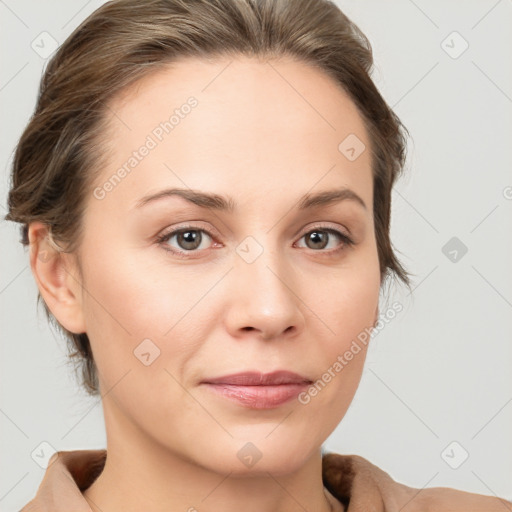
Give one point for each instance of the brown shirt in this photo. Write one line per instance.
(357, 483)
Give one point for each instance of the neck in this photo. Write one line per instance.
(141, 474)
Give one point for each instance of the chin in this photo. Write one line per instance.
(242, 458)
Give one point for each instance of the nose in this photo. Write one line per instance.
(265, 299)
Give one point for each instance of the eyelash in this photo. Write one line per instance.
(165, 237)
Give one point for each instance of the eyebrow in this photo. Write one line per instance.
(227, 204)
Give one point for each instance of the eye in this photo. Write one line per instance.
(318, 239)
(188, 239)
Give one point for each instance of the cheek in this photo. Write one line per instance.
(349, 299)
(348, 305)
(126, 294)
(142, 318)
(342, 361)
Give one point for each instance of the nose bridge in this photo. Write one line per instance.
(264, 261)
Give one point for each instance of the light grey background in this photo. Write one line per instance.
(437, 373)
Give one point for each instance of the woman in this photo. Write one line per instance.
(205, 187)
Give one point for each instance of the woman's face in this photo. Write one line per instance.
(260, 285)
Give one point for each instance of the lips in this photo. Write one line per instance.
(256, 390)
(255, 378)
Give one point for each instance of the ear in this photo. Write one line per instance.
(57, 278)
(376, 315)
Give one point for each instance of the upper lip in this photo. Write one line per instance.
(256, 378)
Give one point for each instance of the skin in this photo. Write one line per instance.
(264, 133)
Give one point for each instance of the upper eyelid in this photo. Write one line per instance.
(172, 231)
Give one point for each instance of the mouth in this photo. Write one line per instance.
(256, 390)
(255, 378)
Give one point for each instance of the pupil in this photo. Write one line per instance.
(189, 239)
(317, 239)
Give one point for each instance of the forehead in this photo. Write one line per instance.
(252, 121)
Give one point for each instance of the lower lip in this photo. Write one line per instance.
(259, 397)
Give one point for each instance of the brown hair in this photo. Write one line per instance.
(60, 154)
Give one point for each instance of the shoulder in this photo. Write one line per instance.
(67, 475)
(361, 485)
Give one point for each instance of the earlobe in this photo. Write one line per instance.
(56, 277)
